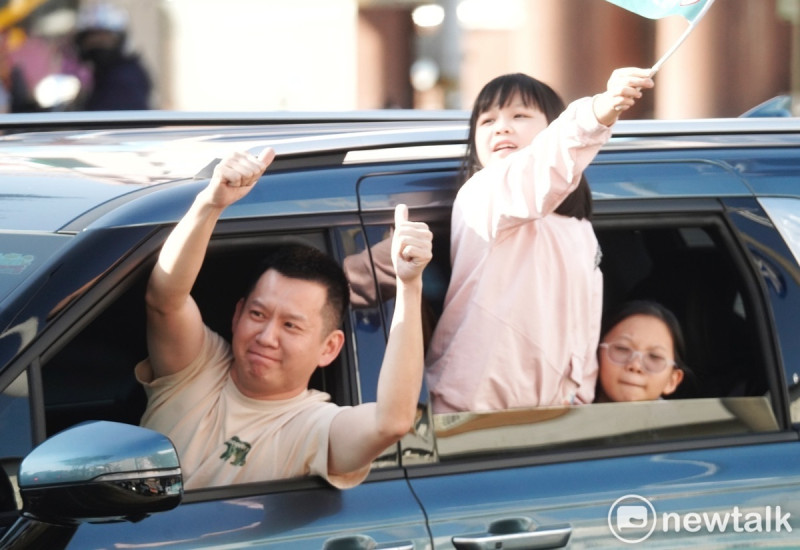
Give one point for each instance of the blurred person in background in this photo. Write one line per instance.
(39, 69)
(6, 76)
(119, 80)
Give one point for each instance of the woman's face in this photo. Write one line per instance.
(632, 381)
(500, 131)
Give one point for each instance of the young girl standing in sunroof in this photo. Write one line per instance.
(521, 319)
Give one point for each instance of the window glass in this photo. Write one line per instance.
(371, 281)
(21, 255)
(785, 215)
(91, 377)
(776, 255)
(367, 264)
(15, 422)
(15, 438)
(417, 446)
(600, 424)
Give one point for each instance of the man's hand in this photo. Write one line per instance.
(360, 434)
(235, 175)
(174, 323)
(412, 246)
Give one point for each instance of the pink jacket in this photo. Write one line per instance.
(521, 319)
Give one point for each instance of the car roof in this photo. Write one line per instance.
(57, 166)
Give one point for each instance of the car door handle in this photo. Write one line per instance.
(515, 534)
(364, 542)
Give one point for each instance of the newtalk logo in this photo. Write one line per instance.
(633, 519)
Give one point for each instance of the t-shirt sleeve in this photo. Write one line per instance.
(319, 455)
(192, 383)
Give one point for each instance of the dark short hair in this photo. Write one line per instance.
(300, 261)
(654, 309)
(534, 93)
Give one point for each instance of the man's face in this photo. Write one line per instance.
(280, 336)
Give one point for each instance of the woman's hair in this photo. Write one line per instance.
(534, 93)
(650, 309)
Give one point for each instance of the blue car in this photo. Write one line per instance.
(703, 216)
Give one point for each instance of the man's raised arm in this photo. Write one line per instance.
(358, 435)
(174, 323)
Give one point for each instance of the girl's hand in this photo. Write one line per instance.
(623, 89)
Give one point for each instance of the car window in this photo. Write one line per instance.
(15, 419)
(690, 265)
(369, 288)
(785, 215)
(771, 236)
(419, 444)
(692, 269)
(91, 376)
(16, 442)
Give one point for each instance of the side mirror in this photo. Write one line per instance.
(100, 471)
(94, 472)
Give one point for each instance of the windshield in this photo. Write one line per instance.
(21, 255)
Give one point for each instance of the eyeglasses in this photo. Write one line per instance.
(624, 355)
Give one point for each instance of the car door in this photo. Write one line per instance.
(85, 369)
(294, 514)
(715, 466)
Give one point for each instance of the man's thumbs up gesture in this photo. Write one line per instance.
(412, 246)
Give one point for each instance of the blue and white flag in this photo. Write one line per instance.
(656, 9)
(691, 10)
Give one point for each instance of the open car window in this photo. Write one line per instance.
(691, 265)
(91, 374)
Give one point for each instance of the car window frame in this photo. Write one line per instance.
(678, 212)
(137, 265)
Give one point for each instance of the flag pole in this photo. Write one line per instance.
(689, 29)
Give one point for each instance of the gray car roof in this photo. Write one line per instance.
(55, 166)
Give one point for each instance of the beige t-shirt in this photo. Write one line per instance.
(223, 437)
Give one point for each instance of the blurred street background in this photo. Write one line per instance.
(299, 55)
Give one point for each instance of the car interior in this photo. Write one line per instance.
(690, 270)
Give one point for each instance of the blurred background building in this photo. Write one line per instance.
(242, 55)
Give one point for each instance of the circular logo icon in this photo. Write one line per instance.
(632, 519)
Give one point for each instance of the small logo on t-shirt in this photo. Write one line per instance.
(236, 450)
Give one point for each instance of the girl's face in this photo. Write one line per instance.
(632, 381)
(500, 131)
